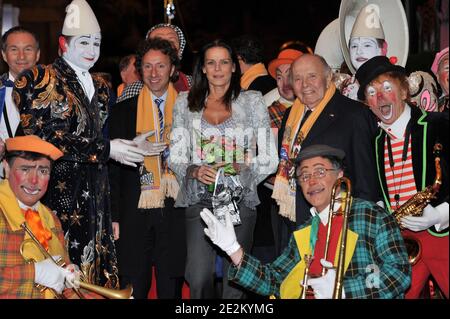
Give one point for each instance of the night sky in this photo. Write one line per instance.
(125, 23)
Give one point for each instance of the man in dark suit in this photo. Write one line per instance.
(152, 232)
(406, 165)
(321, 115)
(20, 51)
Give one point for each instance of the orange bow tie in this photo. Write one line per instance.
(34, 221)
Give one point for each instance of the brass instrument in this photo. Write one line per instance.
(415, 205)
(105, 292)
(346, 200)
(305, 292)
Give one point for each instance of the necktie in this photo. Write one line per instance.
(305, 117)
(314, 232)
(158, 103)
(34, 221)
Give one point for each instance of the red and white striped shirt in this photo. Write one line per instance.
(400, 178)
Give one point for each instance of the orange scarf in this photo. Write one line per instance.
(285, 185)
(157, 181)
(251, 74)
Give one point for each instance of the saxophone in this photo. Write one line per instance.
(415, 205)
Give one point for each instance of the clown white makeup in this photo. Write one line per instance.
(386, 97)
(84, 50)
(363, 49)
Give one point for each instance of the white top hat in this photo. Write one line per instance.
(80, 19)
(391, 17)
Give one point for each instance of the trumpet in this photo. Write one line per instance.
(346, 203)
(105, 292)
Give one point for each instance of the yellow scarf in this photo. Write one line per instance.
(15, 217)
(285, 185)
(157, 181)
(252, 73)
(291, 287)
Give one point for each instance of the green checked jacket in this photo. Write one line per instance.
(379, 267)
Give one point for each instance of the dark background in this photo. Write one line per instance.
(124, 24)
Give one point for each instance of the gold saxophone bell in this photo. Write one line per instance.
(415, 205)
(346, 200)
(414, 249)
(103, 291)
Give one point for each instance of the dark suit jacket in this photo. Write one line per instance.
(125, 192)
(263, 84)
(348, 125)
(426, 130)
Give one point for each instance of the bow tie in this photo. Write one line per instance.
(8, 83)
(34, 221)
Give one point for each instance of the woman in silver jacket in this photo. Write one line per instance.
(216, 109)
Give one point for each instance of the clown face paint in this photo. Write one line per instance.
(283, 82)
(363, 49)
(84, 50)
(28, 179)
(385, 96)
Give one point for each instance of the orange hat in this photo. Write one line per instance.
(286, 56)
(33, 143)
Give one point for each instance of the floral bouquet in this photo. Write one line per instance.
(220, 150)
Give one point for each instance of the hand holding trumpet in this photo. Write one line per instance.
(47, 273)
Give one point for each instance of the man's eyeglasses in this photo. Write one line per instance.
(317, 174)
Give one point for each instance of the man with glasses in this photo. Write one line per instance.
(377, 262)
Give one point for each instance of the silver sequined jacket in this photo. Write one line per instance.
(251, 118)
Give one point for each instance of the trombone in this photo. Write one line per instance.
(346, 203)
(105, 292)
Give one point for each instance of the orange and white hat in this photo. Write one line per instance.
(286, 56)
(33, 143)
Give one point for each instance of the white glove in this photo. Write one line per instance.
(126, 152)
(323, 286)
(222, 236)
(431, 216)
(149, 147)
(48, 274)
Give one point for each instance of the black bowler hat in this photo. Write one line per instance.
(373, 68)
(319, 150)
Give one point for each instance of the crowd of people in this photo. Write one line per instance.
(228, 180)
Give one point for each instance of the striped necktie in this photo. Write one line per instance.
(158, 103)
